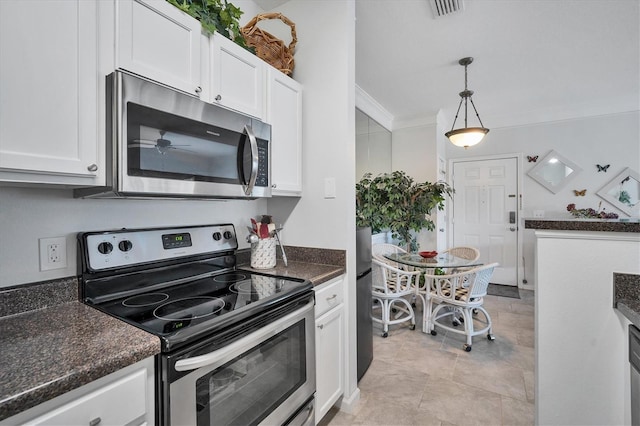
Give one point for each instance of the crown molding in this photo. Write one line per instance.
(373, 109)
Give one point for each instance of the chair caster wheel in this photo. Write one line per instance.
(413, 327)
(455, 323)
(413, 305)
(434, 333)
(467, 348)
(491, 337)
(385, 335)
(394, 310)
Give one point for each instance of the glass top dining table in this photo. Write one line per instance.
(442, 260)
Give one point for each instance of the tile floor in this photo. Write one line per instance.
(419, 379)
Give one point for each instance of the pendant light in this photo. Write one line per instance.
(467, 136)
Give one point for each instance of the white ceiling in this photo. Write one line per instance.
(532, 58)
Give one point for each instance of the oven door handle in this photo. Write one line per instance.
(254, 160)
(243, 344)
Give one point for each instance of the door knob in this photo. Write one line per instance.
(513, 229)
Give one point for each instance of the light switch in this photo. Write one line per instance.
(330, 187)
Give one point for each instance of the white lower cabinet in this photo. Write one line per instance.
(125, 397)
(330, 346)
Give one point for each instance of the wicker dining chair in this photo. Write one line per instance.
(459, 295)
(391, 287)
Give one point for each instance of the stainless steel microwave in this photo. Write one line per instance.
(165, 143)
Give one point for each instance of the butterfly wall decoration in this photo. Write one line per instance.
(580, 193)
(602, 168)
(532, 159)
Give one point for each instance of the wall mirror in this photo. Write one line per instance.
(554, 171)
(373, 147)
(623, 191)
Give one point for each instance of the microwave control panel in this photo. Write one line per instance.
(263, 163)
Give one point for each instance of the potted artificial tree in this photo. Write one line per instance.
(395, 202)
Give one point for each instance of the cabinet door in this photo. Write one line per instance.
(118, 403)
(329, 360)
(237, 77)
(158, 41)
(49, 87)
(284, 113)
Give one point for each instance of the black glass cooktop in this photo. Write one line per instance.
(184, 310)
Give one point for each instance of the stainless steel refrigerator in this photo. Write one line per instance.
(363, 300)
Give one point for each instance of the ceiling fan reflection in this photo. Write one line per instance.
(161, 144)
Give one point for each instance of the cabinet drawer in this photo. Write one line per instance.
(329, 296)
(117, 403)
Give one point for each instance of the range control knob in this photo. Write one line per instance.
(217, 236)
(227, 235)
(105, 247)
(125, 245)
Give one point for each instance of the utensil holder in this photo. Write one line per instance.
(263, 254)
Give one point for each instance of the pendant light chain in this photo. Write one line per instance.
(466, 136)
(466, 92)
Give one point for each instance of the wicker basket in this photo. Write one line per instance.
(269, 48)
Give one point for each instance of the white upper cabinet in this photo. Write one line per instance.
(50, 130)
(237, 77)
(158, 41)
(284, 113)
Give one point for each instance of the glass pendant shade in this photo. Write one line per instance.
(466, 137)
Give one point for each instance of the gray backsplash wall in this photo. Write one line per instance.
(28, 214)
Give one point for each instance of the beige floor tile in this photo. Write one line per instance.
(397, 412)
(420, 379)
(517, 320)
(529, 385)
(460, 404)
(496, 376)
(517, 413)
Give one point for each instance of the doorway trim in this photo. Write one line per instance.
(520, 222)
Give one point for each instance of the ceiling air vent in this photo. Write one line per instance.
(446, 7)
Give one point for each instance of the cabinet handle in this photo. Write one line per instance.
(273, 185)
(321, 326)
(92, 167)
(95, 421)
(218, 98)
(198, 90)
(332, 297)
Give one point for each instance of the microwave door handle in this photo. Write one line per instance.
(254, 160)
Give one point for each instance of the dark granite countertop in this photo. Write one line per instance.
(51, 343)
(316, 273)
(601, 225)
(315, 265)
(51, 351)
(626, 296)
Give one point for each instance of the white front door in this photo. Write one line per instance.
(485, 213)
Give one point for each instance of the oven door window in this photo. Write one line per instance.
(246, 389)
(163, 145)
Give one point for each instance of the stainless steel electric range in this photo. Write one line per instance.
(238, 347)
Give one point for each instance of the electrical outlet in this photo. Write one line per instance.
(53, 253)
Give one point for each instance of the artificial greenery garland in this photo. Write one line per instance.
(215, 15)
